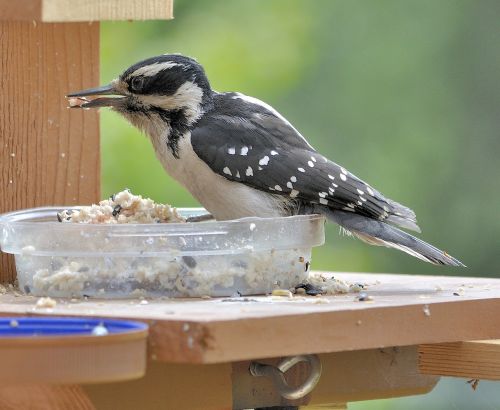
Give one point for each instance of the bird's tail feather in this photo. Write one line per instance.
(402, 216)
(380, 233)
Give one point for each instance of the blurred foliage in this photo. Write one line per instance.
(405, 94)
(450, 394)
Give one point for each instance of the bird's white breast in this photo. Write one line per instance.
(224, 199)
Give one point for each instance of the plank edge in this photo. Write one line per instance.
(50, 11)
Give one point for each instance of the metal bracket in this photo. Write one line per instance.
(277, 374)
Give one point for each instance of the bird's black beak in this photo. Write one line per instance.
(80, 100)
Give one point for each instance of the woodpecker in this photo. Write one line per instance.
(239, 157)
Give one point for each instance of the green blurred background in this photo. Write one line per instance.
(404, 94)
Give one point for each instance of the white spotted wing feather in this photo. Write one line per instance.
(249, 140)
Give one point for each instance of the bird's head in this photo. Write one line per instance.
(153, 93)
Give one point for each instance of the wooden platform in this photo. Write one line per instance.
(405, 310)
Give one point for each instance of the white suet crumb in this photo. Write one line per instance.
(77, 101)
(123, 207)
(282, 292)
(320, 301)
(427, 311)
(46, 303)
(330, 286)
(356, 287)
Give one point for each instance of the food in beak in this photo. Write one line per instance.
(77, 102)
(96, 99)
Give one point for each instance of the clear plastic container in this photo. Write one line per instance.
(246, 256)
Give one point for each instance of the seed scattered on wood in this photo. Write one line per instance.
(282, 292)
(309, 289)
(320, 301)
(239, 299)
(46, 303)
(364, 297)
(427, 311)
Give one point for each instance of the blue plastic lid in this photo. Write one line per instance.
(65, 326)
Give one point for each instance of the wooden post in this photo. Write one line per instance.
(50, 155)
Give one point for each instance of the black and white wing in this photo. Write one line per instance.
(246, 141)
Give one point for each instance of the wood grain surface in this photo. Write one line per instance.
(405, 310)
(44, 397)
(85, 10)
(473, 359)
(168, 386)
(50, 154)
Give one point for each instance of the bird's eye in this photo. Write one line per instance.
(137, 83)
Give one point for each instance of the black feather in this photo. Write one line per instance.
(380, 233)
(275, 155)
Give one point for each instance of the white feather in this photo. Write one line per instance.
(152, 69)
(224, 199)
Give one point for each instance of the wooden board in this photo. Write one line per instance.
(85, 10)
(473, 359)
(49, 155)
(44, 397)
(168, 386)
(405, 310)
(346, 376)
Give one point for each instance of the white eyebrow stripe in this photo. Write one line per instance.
(153, 69)
(188, 95)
